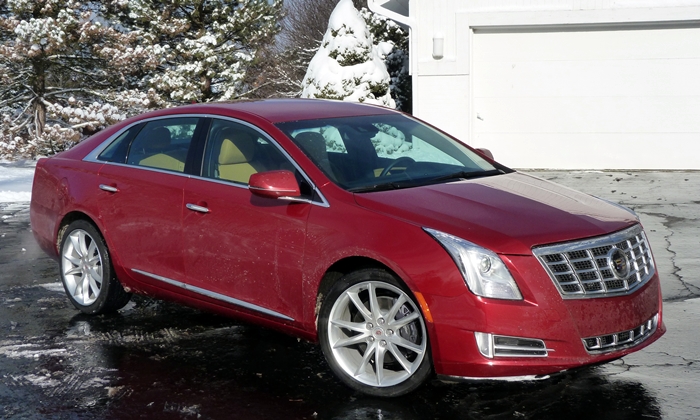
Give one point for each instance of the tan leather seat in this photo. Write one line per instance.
(159, 141)
(236, 155)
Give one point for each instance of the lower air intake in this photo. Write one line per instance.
(623, 339)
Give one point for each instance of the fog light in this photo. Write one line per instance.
(491, 346)
(485, 343)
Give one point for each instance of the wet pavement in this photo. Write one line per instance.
(158, 360)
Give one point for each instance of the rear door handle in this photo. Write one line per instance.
(195, 207)
(108, 188)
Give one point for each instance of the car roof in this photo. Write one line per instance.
(285, 110)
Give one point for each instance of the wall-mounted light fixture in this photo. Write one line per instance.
(438, 45)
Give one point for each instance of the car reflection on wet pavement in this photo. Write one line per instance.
(160, 360)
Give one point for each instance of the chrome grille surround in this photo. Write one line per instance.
(621, 340)
(591, 268)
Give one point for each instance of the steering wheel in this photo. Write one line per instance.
(404, 159)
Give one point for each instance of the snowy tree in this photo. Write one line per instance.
(209, 44)
(60, 62)
(386, 30)
(348, 66)
(281, 66)
(69, 68)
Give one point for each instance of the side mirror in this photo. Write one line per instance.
(274, 184)
(485, 152)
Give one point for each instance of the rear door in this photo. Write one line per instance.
(141, 187)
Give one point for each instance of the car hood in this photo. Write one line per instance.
(508, 214)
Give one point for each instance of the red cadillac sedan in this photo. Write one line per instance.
(401, 250)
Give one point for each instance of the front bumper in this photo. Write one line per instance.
(561, 324)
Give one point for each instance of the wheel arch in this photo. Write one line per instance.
(71, 217)
(354, 263)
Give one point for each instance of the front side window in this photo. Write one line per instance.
(235, 151)
(163, 144)
(369, 153)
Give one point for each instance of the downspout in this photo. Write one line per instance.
(408, 21)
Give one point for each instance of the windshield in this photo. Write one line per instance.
(371, 153)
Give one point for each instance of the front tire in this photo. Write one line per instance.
(373, 335)
(86, 271)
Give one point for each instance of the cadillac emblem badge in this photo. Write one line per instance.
(619, 263)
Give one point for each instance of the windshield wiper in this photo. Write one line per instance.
(467, 175)
(419, 182)
(377, 187)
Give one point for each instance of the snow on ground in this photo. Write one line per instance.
(16, 181)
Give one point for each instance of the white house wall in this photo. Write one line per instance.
(564, 84)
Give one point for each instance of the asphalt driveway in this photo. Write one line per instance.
(158, 360)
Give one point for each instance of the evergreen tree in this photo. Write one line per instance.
(64, 72)
(209, 44)
(280, 69)
(69, 68)
(386, 30)
(348, 66)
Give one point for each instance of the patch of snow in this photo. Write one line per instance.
(16, 181)
(41, 381)
(53, 287)
(28, 351)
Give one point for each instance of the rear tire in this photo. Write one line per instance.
(86, 271)
(373, 335)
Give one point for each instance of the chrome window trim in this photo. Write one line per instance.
(92, 156)
(322, 203)
(146, 168)
(214, 295)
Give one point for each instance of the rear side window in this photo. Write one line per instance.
(116, 151)
(163, 144)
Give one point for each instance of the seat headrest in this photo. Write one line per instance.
(159, 139)
(314, 144)
(236, 147)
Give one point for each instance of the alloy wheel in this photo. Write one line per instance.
(377, 334)
(82, 267)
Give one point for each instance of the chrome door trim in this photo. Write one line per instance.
(214, 295)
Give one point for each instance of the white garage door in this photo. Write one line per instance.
(589, 99)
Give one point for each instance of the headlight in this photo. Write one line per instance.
(483, 270)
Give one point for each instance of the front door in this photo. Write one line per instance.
(239, 248)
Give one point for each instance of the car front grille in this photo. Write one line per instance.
(611, 265)
(624, 339)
